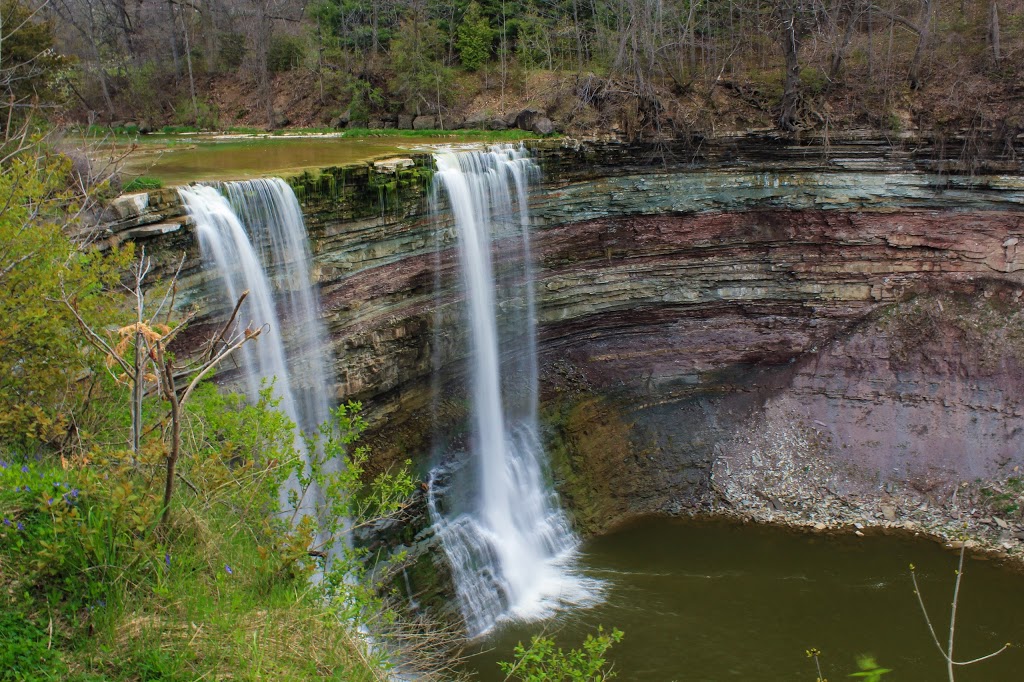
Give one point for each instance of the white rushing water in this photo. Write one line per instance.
(510, 546)
(253, 236)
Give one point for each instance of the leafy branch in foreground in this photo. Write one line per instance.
(869, 671)
(542, 661)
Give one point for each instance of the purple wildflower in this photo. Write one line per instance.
(49, 502)
(167, 559)
(3, 464)
(24, 468)
(21, 526)
(228, 569)
(7, 521)
(74, 493)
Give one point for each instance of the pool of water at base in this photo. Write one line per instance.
(703, 601)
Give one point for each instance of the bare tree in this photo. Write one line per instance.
(142, 354)
(924, 31)
(993, 30)
(791, 36)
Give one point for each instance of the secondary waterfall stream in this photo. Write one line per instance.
(509, 544)
(252, 234)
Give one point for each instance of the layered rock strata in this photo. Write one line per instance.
(683, 301)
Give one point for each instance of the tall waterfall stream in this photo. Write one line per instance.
(509, 544)
(254, 238)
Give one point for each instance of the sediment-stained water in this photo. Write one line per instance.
(712, 601)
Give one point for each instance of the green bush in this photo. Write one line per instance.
(45, 372)
(285, 53)
(203, 115)
(542, 661)
(78, 536)
(814, 80)
(231, 50)
(218, 587)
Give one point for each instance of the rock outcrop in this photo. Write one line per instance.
(684, 300)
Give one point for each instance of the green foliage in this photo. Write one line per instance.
(76, 534)
(869, 669)
(204, 115)
(285, 53)
(364, 98)
(417, 58)
(28, 63)
(47, 376)
(475, 38)
(542, 661)
(144, 91)
(224, 587)
(814, 81)
(231, 50)
(24, 652)
(141, 183)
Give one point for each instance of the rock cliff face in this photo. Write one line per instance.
(687, 305)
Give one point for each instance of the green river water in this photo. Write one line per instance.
(178, 160)
(704, 601)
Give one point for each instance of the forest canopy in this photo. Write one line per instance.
(636, 66)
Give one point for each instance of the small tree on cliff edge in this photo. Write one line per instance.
(142, 354)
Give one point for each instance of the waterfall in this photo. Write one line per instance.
(509, 544)
(253, 236)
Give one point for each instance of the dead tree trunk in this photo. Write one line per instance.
(789, 114)
(928, 10)
(993, 30)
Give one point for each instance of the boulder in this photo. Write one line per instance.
(424, 123)
(389, 118)
(376, 124)
(454, 122)
(497, 124)
(405, 122)
(477, 121)
(145, 128)
(391, 166)
(543, 126)
(525, 118)
(341, 120)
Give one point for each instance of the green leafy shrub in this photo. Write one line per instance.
(45, 373)
(285, 53)
(189, 116)
(231, 50)
(542, 661)
(77, 534)
(814, 80)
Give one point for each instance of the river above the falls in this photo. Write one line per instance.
(180, 159)
(710, 601)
